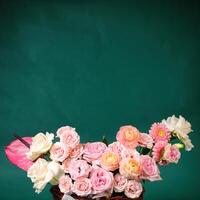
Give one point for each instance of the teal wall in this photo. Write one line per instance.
(97, 65)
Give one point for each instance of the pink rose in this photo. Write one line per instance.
(133, 189)
(120, 183)
(130, 153)
(59, 152)
(66, 164)
(102, 180)
(150, 170)
(115, 147)
(158, 151)
(82, 187)
(78, 169)
(65, 184)
(171, 153)
(77, 151)
(68, 136)
(146, 140)
(128, 136)
(93, 151)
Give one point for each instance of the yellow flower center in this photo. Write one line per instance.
(161, 133)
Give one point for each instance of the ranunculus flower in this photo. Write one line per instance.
(78, 169)
(42, 172)
(40, 144)
(130, 168)
(82, 187)
(65, 184)
(102, 181)
(110, 161)
(150, 170)
(128, 136)
(159, 132)
(68, 136)
(158, 151)
(171, 153)
(181, 128)
(133, 189)
(77, 151)
(146, 140)
(59, 152)
(93, 151)
(120, 182)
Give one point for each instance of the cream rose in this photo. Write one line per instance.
(42, 172)
(41, 143)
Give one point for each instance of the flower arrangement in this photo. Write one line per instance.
(97, 169)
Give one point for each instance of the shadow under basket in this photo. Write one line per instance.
(57, 195)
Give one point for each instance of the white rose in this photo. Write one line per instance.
(40, 144)
(55, 172)
(42, 172)
(181, 128)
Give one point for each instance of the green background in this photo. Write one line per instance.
(97, 65)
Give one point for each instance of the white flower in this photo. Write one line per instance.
(42, 172)
(181, 128)
(40, 144)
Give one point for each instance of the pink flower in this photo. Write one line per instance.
(130, 154)
(150, 170)
(68, 136)
(16, 153)
(66, 164)
(115, 147)
(77, 151)
(82, 187)
(171, 153)
(102, 180)
(133, 189)
(128, 136)
(110, 160)
(130, 168)
(59, 152)
(159, 132)
(93, 151)
(158, 151)
(120, 183)
(65, 184)
(146, 140)
(78, 169)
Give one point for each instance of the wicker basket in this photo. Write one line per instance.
(57, 195)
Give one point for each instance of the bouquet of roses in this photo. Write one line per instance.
(98, 169)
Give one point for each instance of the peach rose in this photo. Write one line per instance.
(102, 181)
(82, 187)
(65, 184)
(59, 152)
(93, 151)
(109, 161)
(78, 169)
(150, 170)
(130, 168)
(68, 136)
(128, 136)
(133, 189)
(120, 183)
